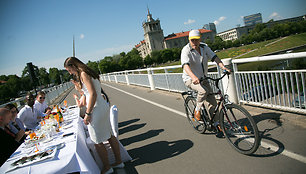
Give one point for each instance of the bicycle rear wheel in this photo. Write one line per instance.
(240, 129)
(190, 105)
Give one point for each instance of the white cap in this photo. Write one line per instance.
(194, 34)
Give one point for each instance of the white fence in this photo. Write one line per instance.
(281, 89)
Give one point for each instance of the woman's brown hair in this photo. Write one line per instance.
(80, 66)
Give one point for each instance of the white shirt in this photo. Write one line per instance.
(41, 107)
(29, 117)
(197, 63)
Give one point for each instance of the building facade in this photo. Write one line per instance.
(210, 26)
(235, 33)
(252, 19)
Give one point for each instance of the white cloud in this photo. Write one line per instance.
(82, 36)
(190, 21)
(222, 18)
(275, 16)
(217, 22)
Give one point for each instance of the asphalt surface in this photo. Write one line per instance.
(154, 130)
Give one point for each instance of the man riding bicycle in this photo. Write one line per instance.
(194, 60)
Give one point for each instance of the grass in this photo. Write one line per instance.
(287, 43)
(236, 51)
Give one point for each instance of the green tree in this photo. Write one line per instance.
(54, 75)
(43, 76)
(176, 52)
(14, 84)
(4, 93)
(94, 66)
(166, 55)
(156, 57)
(3, 77)
(148, 61)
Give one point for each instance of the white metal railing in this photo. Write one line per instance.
(149, 78)
(281, 89)
(51, 94)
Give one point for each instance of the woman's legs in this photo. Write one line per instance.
(103, 156)
(115, 147)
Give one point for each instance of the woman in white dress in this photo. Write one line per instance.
(97, 112)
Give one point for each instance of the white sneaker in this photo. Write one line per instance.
(121, 165)
(111, 170)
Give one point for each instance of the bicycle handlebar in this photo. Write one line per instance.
(217, 79)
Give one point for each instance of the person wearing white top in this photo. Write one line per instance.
(29, 115)
(40, 103)
(194, 59)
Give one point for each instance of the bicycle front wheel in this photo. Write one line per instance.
(240, 129)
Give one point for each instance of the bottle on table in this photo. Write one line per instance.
(59, 114)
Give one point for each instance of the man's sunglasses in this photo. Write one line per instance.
(42, 98)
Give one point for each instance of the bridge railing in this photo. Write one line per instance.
(281, 89)
(51, 94)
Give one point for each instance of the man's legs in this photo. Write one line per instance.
(210, 99)
(203, 90)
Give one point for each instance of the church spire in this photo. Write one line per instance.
(148, 10)
(73, 54)
(149, 16)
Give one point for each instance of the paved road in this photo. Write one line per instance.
(156, 134)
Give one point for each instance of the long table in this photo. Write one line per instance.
(72, 155)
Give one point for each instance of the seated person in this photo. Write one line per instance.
(15, 125)
(8, 143)
(29, 115)
(40, 103)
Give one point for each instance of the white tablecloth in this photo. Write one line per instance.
(73, 157)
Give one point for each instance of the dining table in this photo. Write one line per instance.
(61, 149)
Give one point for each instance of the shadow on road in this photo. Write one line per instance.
(158, 151)
(141, 137)
(266, 133)
(125, 123)
(131, 128)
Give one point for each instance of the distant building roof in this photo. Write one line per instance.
(141, 42)
(2, 81)
(183, 34)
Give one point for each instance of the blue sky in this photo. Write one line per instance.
(41, 31)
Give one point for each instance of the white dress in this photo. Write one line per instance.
(99, 128)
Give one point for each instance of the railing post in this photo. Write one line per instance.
(115, 77)
(166, 75)
(108, 77)
(232, 90)
(127, 78)
(150, 77)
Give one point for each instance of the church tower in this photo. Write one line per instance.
(153, 34)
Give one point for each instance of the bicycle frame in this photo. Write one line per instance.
(220, 103)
